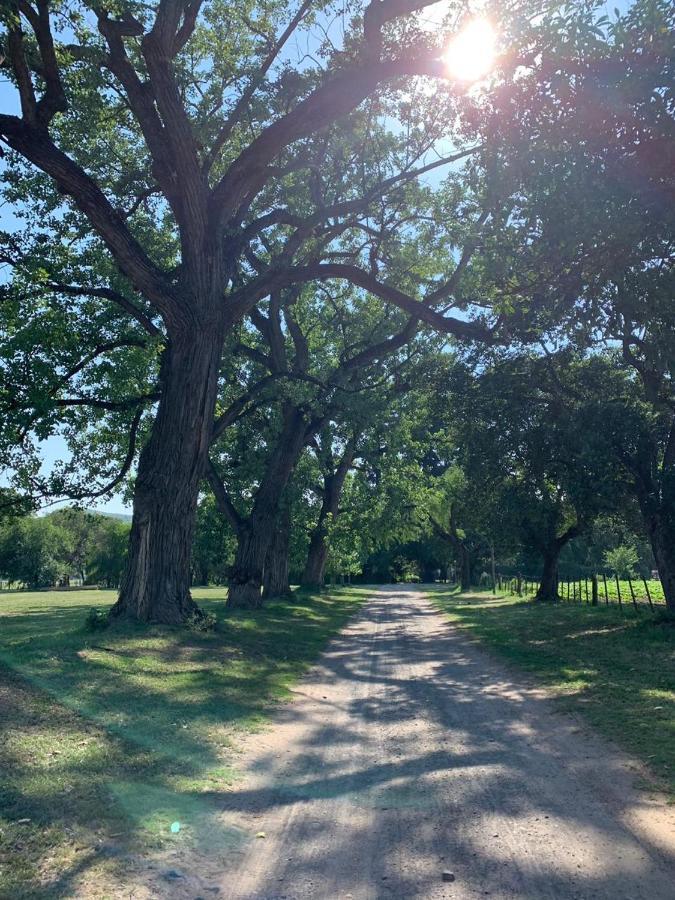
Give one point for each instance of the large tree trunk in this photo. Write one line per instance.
(156, 584)
(255, 533)
(548, 586)
(662, 540)
(317, 556)
(275, 573)
(548, 589)
(315, 567)
(464, 565)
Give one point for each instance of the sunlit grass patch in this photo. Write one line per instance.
(113, 736)
(616, 667)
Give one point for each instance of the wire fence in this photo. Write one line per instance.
(594, 590)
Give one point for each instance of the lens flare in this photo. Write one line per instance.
(471, 53)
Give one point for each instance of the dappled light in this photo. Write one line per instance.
(337, 450)
(116, 737)
(407, 752)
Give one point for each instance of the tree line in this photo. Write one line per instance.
(327, 302)
(65, 548)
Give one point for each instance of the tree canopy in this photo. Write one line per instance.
(286, 257)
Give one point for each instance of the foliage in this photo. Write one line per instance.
(39, 551)
(202, 622)
(213, 549)
(33, 551)
(95, 620)
(622, 561)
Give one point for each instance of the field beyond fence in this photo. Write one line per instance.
(593, 589)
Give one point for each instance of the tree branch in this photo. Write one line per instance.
(36, 146)
(112, 405)
(114, 297)
(465, 330)
(241, 104)
(95, 353)
(338, 95)
(126, 465)
(221, 496)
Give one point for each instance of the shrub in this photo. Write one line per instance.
(96, 620)
(622, 560)
(201, 621)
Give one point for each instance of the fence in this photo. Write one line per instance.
(594, 590)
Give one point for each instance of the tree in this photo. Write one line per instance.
(80, 527)
(598, 154)
(214, 545)
(32, 551)
(449, 497)
(529, 451)
(622, 561)
(334, 462)
(167, 140)
(327, 361)
(107, 553)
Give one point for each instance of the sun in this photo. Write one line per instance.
(471, 53)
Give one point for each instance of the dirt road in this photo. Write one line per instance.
(409, 753)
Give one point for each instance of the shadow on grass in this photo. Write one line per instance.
(431, 750)
(614, 666)
(115, 735)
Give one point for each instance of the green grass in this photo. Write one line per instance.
(612, 596)
(579, 587)
(616, 668)
(112, 736)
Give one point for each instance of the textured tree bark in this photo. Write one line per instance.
(275, 573)
(255, 534)
(662, 540)
(548, 586)
(245, 588)
(156, 583)
(550, 551)
(655, 491)
(317, 555)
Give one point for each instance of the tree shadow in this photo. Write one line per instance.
(436, 753)
(121, 732)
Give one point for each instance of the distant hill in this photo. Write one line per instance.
(123, 517)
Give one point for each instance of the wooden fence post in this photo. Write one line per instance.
(618, 589)
(604, 581)
(594, 590)
(586, 588)
(649, 596)
(632, 594)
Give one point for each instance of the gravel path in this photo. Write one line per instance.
(409, 752)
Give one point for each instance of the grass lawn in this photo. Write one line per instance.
(616, 668)
(111, 737)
